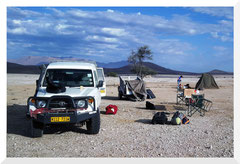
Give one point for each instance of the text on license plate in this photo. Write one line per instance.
(60, 119)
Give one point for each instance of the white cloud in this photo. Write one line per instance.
(192, 31)
(114, 31)
(19, 30)
(110, 11)
(214, 34)
(56, 11)
(226, 12)
(100, 38)
(27, 45)
(80, 13)
(179, 23)
(17, 22)
(225, 22)
(222, 36)
(109, 39)
(62, 29)
(94, 37)
(161, 25)
(219, 48)
(21, 13)
(20, 22)
(221, 51)
(106, 46)
(172, 47)
(225, 38)
(74, 20)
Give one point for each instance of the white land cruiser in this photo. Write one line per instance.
(67, 93)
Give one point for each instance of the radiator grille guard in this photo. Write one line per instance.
(61, 102)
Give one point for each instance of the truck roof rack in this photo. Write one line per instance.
(78, 61)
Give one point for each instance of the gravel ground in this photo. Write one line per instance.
(129, 133)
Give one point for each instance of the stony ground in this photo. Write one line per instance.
(129, 133)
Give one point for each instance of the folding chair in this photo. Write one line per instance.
(180, 97)
(198, 103)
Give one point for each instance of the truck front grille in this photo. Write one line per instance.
(63, 103)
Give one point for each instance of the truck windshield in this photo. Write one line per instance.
(69, 77)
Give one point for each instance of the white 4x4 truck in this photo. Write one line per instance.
(67, 93)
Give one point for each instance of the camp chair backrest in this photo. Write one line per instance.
(188, 92)
(198, 100)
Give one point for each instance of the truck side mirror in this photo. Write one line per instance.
(100, 84)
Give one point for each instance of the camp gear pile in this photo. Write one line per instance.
(177, 118)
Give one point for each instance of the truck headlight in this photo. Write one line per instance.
(41, 103)
(81, 103)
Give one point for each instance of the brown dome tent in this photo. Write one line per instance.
(206, 82)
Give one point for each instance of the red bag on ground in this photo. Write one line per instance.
(111, 109)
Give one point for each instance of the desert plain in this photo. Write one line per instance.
(129, 133)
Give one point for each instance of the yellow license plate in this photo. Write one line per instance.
(102, 91)
(60, 119)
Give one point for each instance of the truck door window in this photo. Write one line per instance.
(100, 74)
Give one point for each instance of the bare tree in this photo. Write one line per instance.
(137, 58)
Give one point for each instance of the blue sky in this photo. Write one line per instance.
(196, 39)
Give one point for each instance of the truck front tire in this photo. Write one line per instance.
(36, 129)
(93, 124)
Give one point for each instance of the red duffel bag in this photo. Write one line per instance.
(111, 109)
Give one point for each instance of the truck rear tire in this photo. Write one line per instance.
(36, 129)
(93, 124)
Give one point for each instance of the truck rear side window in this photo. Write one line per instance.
(69, 77)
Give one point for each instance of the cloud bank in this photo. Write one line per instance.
(111, 34)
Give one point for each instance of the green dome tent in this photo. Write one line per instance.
(206, 82)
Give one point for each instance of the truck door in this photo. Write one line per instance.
(100, 73)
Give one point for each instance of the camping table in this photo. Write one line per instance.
(185, 95)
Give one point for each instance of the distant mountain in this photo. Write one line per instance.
(160, 70)
(39, 60)
(31, 69)
(34, 69)
(219, 72)
(30, 60)
(22, 69)
(113, 64)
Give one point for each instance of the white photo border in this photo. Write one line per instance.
(108, 3)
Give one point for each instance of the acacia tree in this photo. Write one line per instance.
(137, 58)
